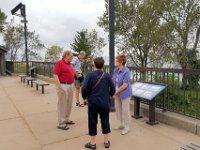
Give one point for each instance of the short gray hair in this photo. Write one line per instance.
(82, 53)
(66, 53)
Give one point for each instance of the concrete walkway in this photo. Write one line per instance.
(28, 121)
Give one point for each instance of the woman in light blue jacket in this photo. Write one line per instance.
(121, 78)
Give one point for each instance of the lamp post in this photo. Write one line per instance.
(22, 9)
(111, 41)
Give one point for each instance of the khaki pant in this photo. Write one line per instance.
(122, 108)
(65, 98)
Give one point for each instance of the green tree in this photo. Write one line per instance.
(81, 43)
(14, 40)
(139, 31)
(89, 42)
(183, 17)
(97, 43)
(2, 21)
(34, 46)
(53, 53)
(13, 37)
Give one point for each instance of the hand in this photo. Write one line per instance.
(78, 75)
(60, 90)
(114, 97)
(116, 93)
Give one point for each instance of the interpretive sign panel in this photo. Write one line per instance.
(146, 90)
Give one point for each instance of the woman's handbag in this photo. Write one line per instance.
(81, 78)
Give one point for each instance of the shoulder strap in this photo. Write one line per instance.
(98, 81)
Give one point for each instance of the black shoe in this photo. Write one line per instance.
(79, 104)
(90, 146)
(85, 102)
(107, 145)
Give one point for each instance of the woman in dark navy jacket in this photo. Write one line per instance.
(97, 88)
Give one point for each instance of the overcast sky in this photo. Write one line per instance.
(57, 21)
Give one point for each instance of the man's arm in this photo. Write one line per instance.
(57, 71)
(57, 82)
(74, 62)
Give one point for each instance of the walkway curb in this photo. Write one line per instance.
(177, 120)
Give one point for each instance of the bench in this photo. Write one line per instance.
(22, 77)
(40, 83)
(28, 79)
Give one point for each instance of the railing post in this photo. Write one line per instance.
(164, 92)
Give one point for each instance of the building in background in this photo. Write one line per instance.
(3, 52)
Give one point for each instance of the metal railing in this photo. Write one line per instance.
(182, 94)
(44, 68)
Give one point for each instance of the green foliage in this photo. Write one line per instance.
(153, 32)
(34, 45)
(176, 98)
(139, 32)
(191, 81)
(96, 42)
(81, 43)
(53, 53)
(183, 17)
(2, 21)
(19, 67)
(89, 42)
(14, 41)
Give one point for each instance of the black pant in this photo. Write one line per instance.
(93, 112)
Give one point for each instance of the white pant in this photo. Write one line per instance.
(65, 99)
(122, 108)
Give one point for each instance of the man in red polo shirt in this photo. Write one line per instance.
(64, 78)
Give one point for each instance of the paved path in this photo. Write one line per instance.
(28, 121)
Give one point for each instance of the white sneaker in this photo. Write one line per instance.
(125, 131)
(118, 127)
